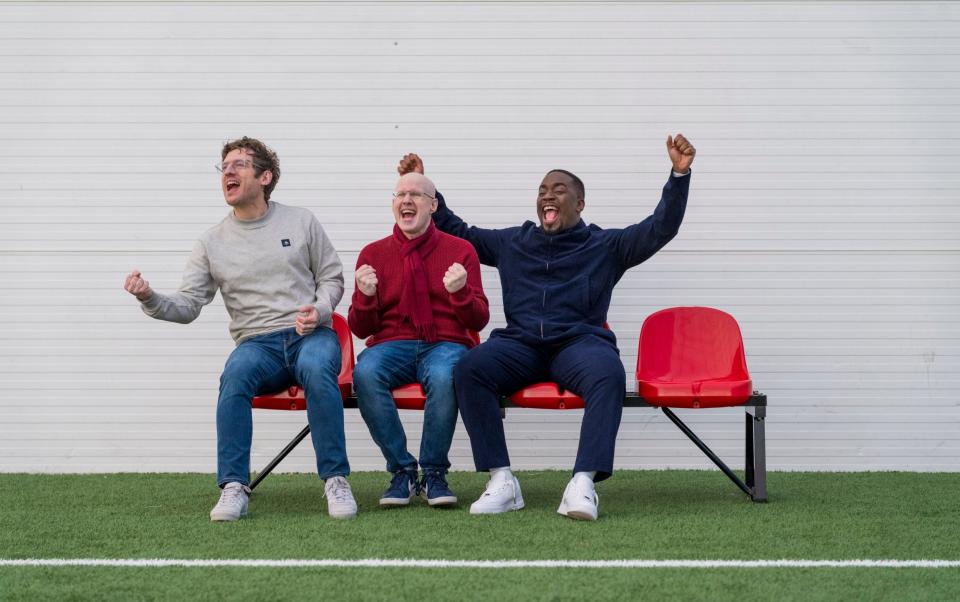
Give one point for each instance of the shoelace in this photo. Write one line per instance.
(434, 478)
(340, 491)
(231, 496)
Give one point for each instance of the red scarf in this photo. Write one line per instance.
(415, 296)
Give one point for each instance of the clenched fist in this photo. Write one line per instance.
(455, 278)
(137, 286)
(410, 163)
(307, 319)
(681, 153)
(366, 278)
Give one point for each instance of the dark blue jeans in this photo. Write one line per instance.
(271, 363)
(588, 366)
(388, 365)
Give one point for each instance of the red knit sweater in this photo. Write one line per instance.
(379, 317)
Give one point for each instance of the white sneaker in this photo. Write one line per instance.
(233, 502)
(500, 496)
(340, 502)
(580, 500)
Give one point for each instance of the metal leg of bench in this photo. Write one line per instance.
(756, 453)
(283, 454)
(706, 450)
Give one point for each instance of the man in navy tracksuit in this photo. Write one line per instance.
(557, 279)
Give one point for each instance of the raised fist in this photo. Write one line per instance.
(681, 153)
(366, 278)
(410, 162)
(137, 286)
(455, 278)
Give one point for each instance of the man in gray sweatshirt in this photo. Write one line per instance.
(280, 279)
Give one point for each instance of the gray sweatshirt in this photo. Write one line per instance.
(265, 269)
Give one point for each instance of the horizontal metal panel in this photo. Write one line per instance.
(821, 213)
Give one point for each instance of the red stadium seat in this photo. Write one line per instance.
(692, 357)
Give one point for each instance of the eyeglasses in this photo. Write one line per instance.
(413, 196)
(237, 165)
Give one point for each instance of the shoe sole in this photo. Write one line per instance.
(394, 501)
(343, 516)
(576, 514)
(515, 506)
(229, 518)
(449, 500)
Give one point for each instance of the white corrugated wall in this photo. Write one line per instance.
(823, 210)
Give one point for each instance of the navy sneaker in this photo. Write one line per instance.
(438, 492)
(402, 487)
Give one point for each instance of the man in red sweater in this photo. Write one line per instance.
(418, 296)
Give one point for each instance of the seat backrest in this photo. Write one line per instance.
(347, 361)
(691, 344)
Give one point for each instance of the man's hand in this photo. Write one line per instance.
(455, 278)
(681, 153)
(137, 286)
(366, 278)
(307, 319)
(410, 163)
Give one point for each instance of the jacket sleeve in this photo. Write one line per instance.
(469, 303)
(364, 313)
(487, 242)
(196, 290)
(327, 272)
(635, 244)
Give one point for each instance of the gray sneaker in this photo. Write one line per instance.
(340, 502)
(233, 503)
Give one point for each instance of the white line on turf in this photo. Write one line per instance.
(480, 564)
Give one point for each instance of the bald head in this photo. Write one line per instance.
(418, 182)
(414, 201)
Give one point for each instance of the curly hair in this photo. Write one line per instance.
(264, 159)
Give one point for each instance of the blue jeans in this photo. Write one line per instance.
(391, 364)
(269, 363)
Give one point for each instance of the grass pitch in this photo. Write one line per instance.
(643, 515)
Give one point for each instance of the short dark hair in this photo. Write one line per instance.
(264, 159)
(577, 182)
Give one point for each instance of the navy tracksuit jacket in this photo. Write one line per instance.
(556, 293)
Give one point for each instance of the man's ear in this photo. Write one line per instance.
(266, 177)
(580, 205)
(434, 205)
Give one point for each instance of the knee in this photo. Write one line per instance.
(609, 383)
(318, 361)
(439, 379)
(238, 377)
(366, 375)
(467, 369)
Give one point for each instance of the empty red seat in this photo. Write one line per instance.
(293, 399)
(692, 357)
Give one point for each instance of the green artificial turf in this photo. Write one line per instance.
(643, 515)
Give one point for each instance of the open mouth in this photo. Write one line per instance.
(408, 214)
(550, 215)
(232, 185)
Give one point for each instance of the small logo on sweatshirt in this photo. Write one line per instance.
(285, 242)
